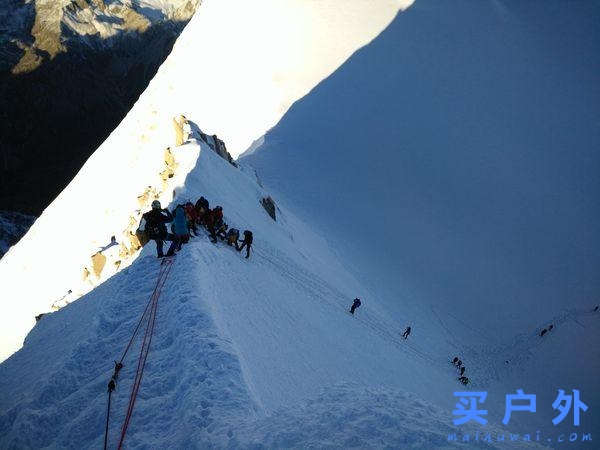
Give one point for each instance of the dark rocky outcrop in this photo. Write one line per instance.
(270, 207)
(221, 150)
(53, 117)
(214, 142)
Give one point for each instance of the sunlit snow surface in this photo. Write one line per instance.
(234, 71)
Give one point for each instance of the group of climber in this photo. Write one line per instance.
(456, 362)
(460, 368)
(185, 220)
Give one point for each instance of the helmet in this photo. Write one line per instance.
(155, 204)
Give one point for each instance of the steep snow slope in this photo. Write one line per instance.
(238, 84)
(454, 165)
(245, 353)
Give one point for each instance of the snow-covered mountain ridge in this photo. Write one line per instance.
(130, 162)
(402, 184)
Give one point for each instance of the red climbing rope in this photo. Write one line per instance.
(161, 273)
(149, 318)
(144, 350)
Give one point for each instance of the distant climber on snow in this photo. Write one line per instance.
(355, 304)
(462, 370)
(232, 237)
(544, 331)
(156, 229)
(180, 227)
(221, 230)
(247, 242)
(209, 221)
(201, 210)
(192, 218)
(214, 222)
(463, 380)
(202, 203)
(218, 214)
(406, 332)
(457, 362)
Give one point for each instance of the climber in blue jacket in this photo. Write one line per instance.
(180, 227)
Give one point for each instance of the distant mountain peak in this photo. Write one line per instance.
(58, 21)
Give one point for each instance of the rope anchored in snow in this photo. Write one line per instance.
(148, 318)
(112, 384)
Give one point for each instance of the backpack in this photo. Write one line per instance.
(202, 203)
(142, 236)
(179, 226)
(149, 227)
(209, 218)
